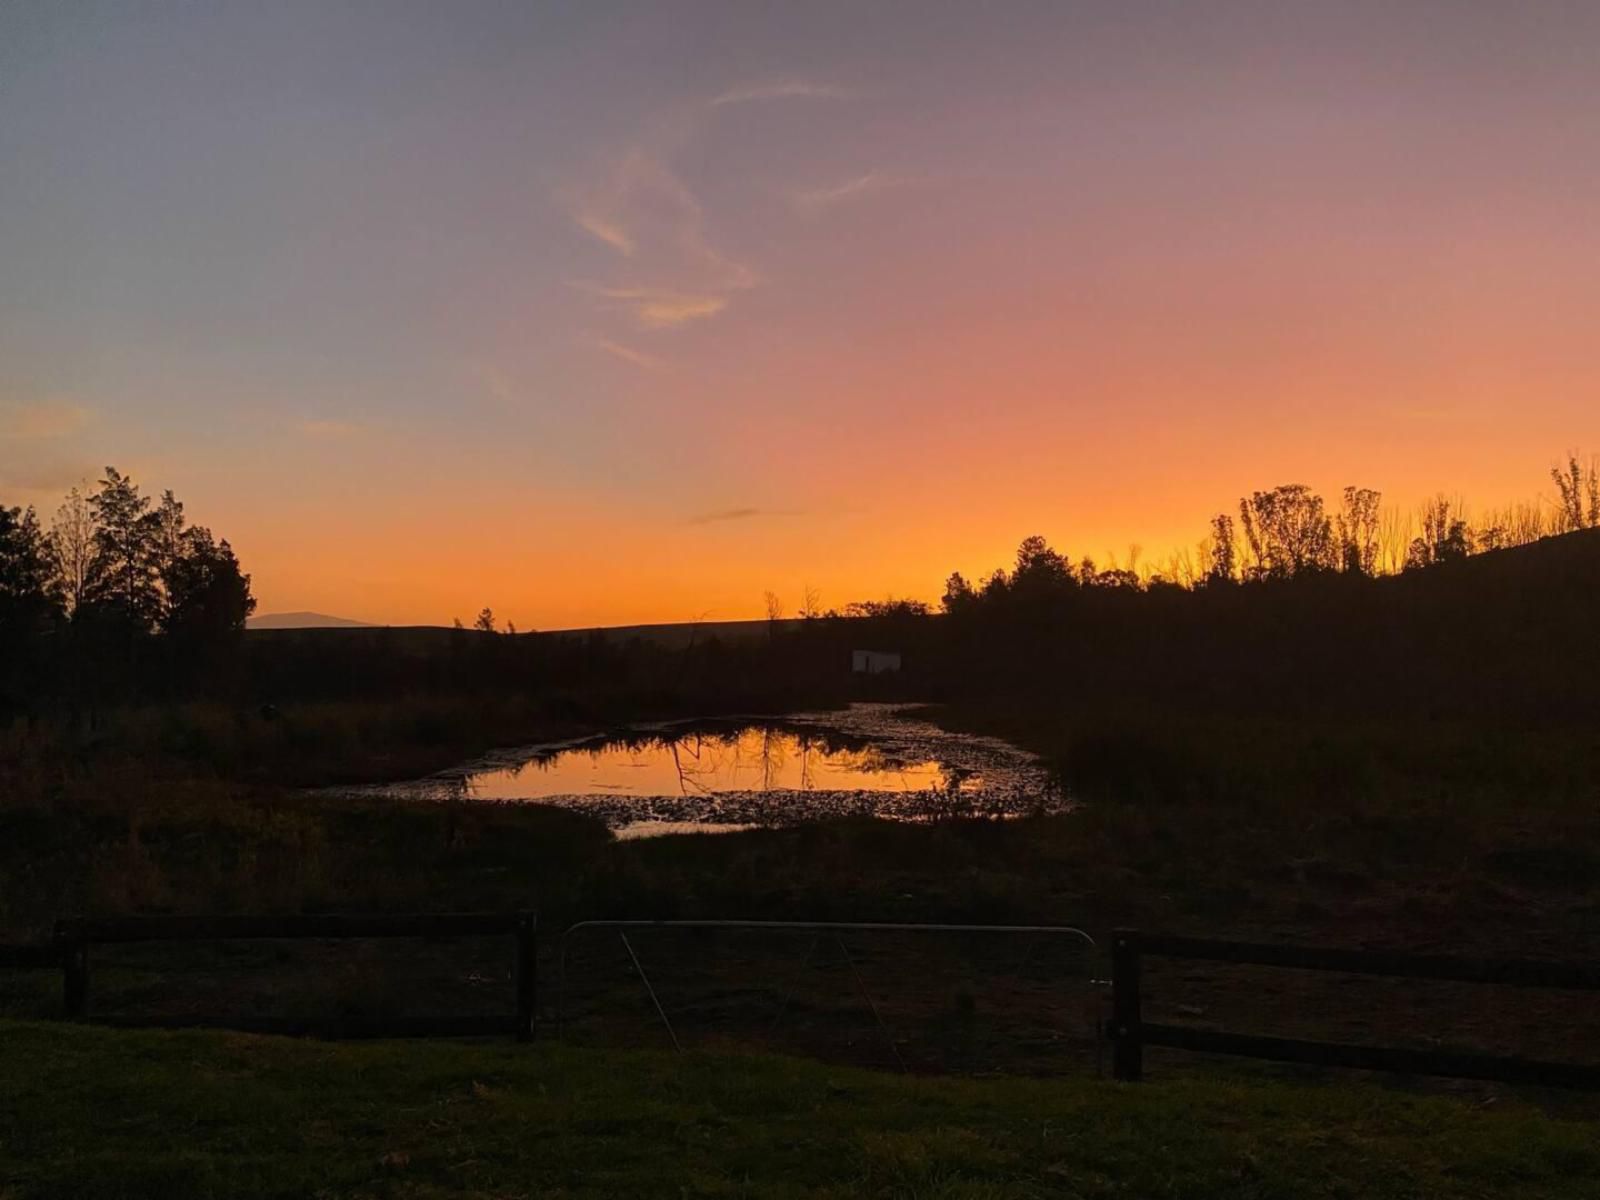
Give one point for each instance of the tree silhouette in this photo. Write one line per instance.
(1579, 487)
(72, 548)
(1358, 531)
(1223, 566)
(167, 545)
(207, 596)
(958, 594)
(1287, 532)
(123, 577)
(27, 587)
(28, 604)
(1040, 570)
(1446, 536)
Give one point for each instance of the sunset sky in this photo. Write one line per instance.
(601, 313)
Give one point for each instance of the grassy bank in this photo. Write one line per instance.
(92, 1113)
(317, 743)
(1391, 832)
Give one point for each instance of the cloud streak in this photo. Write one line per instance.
(42, 422)
(629, 355)
(45, 477)
(611, 234)
(660, 308)
(810, 201)
(720, 515)
(788, 89)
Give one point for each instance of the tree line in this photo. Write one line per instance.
(116, 575)
(121, 599)
(1291, 532)
(1294, 605)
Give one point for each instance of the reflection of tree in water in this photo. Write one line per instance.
(772, 757)
(701, 760)
(756, 759)
(696, 751)
(759, 758)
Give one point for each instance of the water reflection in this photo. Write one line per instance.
(755, 759)
(868, 760)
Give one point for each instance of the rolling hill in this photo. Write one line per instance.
(303, 620)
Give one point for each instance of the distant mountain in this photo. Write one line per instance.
(303, 620)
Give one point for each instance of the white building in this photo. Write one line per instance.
(874, 662)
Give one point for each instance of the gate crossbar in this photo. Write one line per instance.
(834, 927)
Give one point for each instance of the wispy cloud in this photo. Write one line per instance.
(43, 478)
(38, 422)
(606, 231)
(786, 89)
(638, 206)
(660, 308)
(634, 203)
(629, 355)
(740, 514)
(810, 201)
(327, 429)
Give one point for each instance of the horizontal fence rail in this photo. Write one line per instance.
(70, 951)
(1510, 972)
(320, 925)
(833, 927)
(337, 1028)
(1129, 1032)
(45, 955)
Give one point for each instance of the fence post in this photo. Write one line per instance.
(74, 977)
(1127, 1034)
(527, 975)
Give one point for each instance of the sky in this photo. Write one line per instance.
(599, 313)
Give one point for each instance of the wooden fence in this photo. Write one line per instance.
(1130, 1033)
(70, 952)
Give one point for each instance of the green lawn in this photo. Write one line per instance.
(88, 1112)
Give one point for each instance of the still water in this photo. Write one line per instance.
(705, 762)
(869, 759)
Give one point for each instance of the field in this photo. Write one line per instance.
(97, 1114)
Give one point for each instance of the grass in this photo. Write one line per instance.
(90, 1113)
(310, 743)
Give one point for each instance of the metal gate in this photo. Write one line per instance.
(819, 933)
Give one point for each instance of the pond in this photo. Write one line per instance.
(872, 759)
